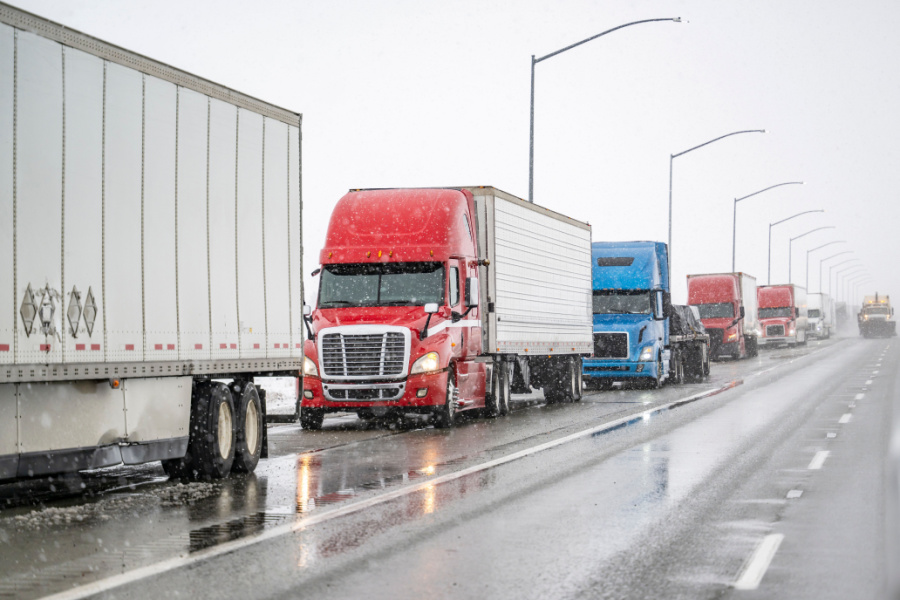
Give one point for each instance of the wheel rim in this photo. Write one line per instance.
(452, 396)
(251, 427)
(225, 429)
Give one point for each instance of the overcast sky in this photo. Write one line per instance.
(400, 93)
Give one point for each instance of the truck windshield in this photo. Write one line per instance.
(719, 310)
(781, 311)
(381, 284)
(813, 313)
(622, 302)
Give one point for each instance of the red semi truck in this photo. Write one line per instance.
(438, 301)
(782, 314)
(727, 306)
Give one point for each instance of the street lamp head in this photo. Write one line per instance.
(677, 19)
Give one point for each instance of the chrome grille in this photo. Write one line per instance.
(610, 345)
(363, 355)
(364, 394)
(774, 330)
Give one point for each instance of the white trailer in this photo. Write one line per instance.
(820, 315)
(149, 243)
(536, 286)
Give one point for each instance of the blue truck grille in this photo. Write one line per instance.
(610, 345)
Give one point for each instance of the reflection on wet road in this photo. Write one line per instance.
(354, 491)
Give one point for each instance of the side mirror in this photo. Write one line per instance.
(430, 309)
(743, 312)
(316, 272)
(471, 291)
(659, 305)
(796, 312)
(307, 310)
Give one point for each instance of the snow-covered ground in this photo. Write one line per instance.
(281, 394)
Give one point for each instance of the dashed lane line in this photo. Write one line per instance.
(818, 460)
(755, 569)
(845, 418)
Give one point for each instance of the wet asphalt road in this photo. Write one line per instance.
(627, 494)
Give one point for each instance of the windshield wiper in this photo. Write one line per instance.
(397, 303)
(335, 302)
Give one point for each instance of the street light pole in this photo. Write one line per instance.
(849, 280)
(823, 261)
(535, 61)
(771, 225)
(791, 247)
(833, 278)
(808, 252)
(672, 158)
(734, 218)
(843, 273)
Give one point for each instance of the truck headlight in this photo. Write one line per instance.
(309, 368)
(646, 353)
(426, 364)
(732, 336)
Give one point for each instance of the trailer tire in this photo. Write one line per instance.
(493, 402)
(249, 427)
(578, 380)
(445, 416)
(693, 368)
(678, 368)
(311, 418)
(211, 447)
(505, 388)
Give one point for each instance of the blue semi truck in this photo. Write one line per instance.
(639, 336)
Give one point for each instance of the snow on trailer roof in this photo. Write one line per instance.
(26, 21)
(474, 189)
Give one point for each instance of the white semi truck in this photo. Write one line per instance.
(820, 315)
(150, 247)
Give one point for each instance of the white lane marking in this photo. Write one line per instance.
(845, 418)
(831, 434)
(818, 460)
(794, 494)
(851, 405)
(868, 382)
(171, 564)
(859, 396)
(875, 372)
(755, 568)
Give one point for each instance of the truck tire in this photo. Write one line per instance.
(249, 428)
(505, 388)
(445, 416)
(557, 381)
(578, 380)
(657, 382)
(693, 367)
(677, 367)
(211, 441)
(493, 402)
(311, 418)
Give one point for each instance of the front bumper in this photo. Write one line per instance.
(774, 340)
(617, 370)
(729, 349)
(334, 396)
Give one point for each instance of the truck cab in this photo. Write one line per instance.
(727, 306)
(397, 309)
(782, 314)
(875, 317)
(630, 283)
